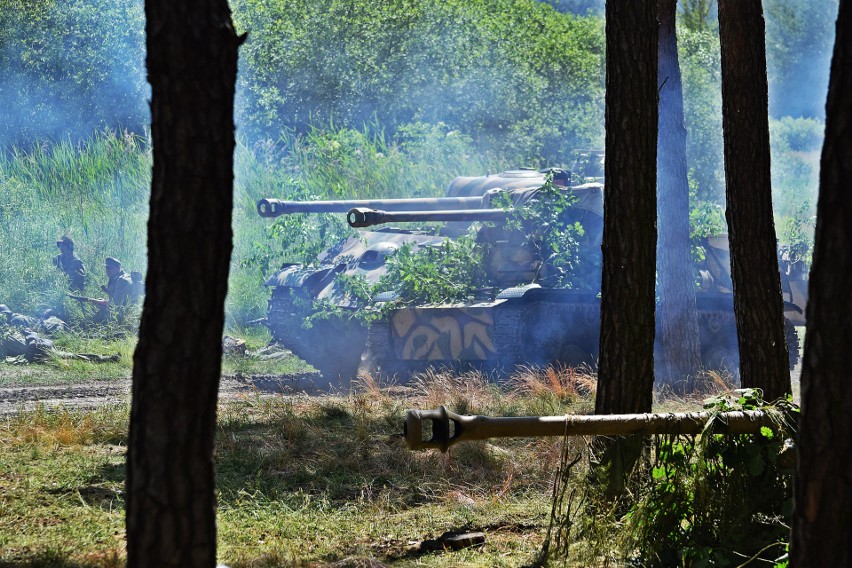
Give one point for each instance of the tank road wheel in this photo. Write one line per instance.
(334, 348)
(380, 360)
(560, 334)
(721, 357)
(719, 348)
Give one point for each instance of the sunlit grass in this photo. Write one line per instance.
(322, 480)
(303, 481)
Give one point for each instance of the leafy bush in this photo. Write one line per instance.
(718, 499)
(704, 500)
(71, 67)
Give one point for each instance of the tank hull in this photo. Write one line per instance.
(539, 329)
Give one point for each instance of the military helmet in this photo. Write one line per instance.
(66, 241)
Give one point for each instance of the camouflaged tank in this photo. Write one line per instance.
(523, 320)
(335, 345)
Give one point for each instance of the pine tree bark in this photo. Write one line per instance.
(171, 504)
(758, 306)
(626, 369)
(678, 314)
(822, 516)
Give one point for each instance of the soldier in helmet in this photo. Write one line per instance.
(119, 291)
(119, 286)
(69, 263)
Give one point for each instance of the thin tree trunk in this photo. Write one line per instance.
(678, 315)
(822, 516)
(626, 371)
(758, 306)
(192, 66)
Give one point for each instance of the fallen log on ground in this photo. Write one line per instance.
(449, 428)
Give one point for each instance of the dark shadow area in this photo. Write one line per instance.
(54, 559)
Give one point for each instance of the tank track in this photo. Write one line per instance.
(792, 343)
(332, 346)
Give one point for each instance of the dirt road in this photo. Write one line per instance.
(91, 395)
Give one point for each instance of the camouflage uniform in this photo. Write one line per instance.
(50, 324)
(119, 288)
(12, 342)
(27, 345)
(21, 321)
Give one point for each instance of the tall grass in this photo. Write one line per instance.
(96, 192)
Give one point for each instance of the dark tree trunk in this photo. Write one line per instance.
(822, 517)
(758, 307)
(678, 315)
(626, 370)
(192, 66)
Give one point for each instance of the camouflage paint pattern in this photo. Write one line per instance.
(463, 333)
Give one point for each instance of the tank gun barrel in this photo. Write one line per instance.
(449, 428)
(363, 217)
(277, 207)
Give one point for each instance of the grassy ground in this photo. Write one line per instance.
(306, 480)
(303, 481)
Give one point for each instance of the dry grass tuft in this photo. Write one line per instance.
(707, 383)
(565, 384)
(467, 393)
(47, 428)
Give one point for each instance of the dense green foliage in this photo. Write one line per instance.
(692, 501)
(799, 41)
(96, 192)
(71, 67)
(516, 75)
